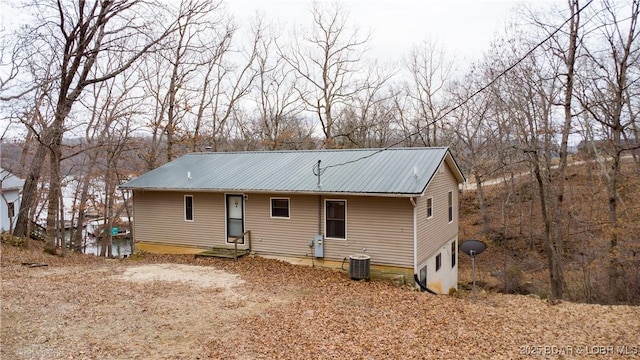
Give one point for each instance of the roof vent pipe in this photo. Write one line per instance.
(317, 173)
(188, 175)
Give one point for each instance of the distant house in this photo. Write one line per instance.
(399, 206)
(607, 147)
(10, 191)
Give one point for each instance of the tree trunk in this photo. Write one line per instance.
(61, 226)
(84, 195)
(614, 262)
(55, 159)
(556, 277)
(560, 213)
(483, 206)
(30, 193)
(110, 190)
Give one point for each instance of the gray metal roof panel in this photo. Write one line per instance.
(365, 171)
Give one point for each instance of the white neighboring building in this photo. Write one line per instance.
(10, 196)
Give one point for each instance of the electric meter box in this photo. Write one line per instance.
(318, 246)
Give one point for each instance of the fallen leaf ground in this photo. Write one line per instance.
(82, 307)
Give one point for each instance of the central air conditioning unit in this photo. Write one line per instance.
(359, 266)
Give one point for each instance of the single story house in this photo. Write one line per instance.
(399, 206)
(10, 191)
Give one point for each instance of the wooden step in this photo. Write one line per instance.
(222, 253)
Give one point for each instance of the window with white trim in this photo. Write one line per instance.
(336, 219)
(11, 210)
(453, 254)
(450, 206)
(280, 208)
(188, 207)
(429, 208)
(438, 261)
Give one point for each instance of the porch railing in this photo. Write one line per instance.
(37, 231)
(235, 243)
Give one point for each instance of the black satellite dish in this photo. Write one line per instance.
(473, 248)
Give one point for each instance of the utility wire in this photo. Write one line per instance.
(485, 87)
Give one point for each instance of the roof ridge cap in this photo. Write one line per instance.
(281, 151)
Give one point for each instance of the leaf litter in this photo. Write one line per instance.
(180, 307)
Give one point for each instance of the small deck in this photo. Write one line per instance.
(223, 252)
(230, 251)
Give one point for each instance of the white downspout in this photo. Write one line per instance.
(415, 235)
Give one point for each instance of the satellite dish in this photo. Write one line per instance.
(473, 247)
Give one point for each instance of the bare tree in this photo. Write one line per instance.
(277, 100)
(183, 64)
(430, 70)
(326, 57)
(532, 93)
(36, 118)
(113, 106)
(529, 94)
(229, 84)
(13, 63)
(224, 75)
(214, 58)
(564, 49)
(177, 80)
(368, 121)
(76, 35)
(475, 137)
(606, 96)
(202, 39)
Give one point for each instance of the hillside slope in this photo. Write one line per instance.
(179, 307)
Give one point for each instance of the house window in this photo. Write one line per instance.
(336, 219)
(453, 253)
(450, 206)
(438, 261)
(280, 208)
(11, 210)
(423, 276)
(429, 208)
(188, 207)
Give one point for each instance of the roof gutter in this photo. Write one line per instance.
(251, 191)
(415, 234)
(415, 248)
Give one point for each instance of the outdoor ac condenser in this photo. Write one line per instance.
(359, 267)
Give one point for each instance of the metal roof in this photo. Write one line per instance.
(395, 171)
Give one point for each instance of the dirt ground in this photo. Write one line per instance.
(179, 307)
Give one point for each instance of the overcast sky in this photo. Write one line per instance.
(464, 27)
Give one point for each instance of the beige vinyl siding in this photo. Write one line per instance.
(381, 225)
(281, 236)
(159, 218)
(384, 226)
(435, 232)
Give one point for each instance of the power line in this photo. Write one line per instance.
(485, 87)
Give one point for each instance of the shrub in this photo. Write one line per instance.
(512, 280)
(9, 239)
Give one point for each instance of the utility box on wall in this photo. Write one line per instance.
(318, 246)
